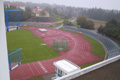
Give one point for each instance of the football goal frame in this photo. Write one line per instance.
(12, 19)
(14, 57)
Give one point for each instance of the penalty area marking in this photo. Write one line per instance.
(42, 67)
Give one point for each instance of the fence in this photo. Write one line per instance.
(60, 45)
(89, 69)
(36, 24)
(14, 57)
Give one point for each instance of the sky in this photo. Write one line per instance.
(104, 4)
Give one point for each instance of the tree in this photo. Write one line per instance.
(113, 21)
(82, 21)
(100, 29)
(28, 9)
(111, 29)
(25, 15)
(42, 13)
(90, 24)
(66, 22)
(55, 11)
(93, 13)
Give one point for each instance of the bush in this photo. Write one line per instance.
(51, 26)
(84, 23)
(66, 22)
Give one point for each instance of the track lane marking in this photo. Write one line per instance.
(31, 69)
(35, 68)
(42, 67)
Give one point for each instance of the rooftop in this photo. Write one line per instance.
(66, 66)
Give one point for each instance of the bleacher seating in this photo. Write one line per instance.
(112, 48)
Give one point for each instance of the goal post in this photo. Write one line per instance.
(12, 19)
(14, 57)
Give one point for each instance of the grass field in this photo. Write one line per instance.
(98, 22)
(95, 22)
(58, 24)
(37, 78)
(86, 65)
(97, 48)
(69, 31)
(58, 18)
(32, 50)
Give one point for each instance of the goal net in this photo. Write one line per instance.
(60, 45)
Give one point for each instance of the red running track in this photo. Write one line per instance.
(79, 53)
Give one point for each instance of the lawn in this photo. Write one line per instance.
(37, 78)
(69, 31)
(32, 50)
(97, 48)
(58, 18)
(86, 65)
(98, 22)
(58, 24)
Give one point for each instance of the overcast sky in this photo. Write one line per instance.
(105, 4)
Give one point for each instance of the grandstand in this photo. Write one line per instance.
(102, 68)
(112, 48)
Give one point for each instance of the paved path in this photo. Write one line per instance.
(58, 27)
(79, 53)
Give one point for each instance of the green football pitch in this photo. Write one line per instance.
(32, 50)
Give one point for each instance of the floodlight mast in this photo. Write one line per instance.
(4, 68)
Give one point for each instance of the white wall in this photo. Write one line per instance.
(22, 7)
(4, 69)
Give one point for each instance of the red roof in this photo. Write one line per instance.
(38, 11)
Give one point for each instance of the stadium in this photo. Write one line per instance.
(60, 53)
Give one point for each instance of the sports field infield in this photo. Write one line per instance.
(32, 50)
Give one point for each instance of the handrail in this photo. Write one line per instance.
(89, 69)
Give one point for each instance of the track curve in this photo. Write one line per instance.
(80, 53)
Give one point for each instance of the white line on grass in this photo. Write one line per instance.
(48, 52)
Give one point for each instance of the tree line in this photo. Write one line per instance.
(111, 29)
(67, 12)
(24, 15)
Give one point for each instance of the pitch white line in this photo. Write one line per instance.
(42, 67)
